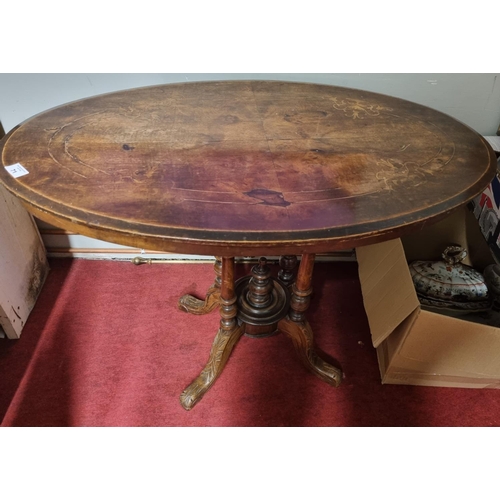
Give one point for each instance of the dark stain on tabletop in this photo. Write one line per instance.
(268, 197)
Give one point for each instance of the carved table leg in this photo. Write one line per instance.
(226, 338)
(190, 304)
(286, 274)
(299, 330)
(262, 301)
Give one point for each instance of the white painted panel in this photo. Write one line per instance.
(23, 265)
(472, 98)
(77, 241)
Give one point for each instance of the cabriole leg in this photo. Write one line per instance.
(226, 338)
(190, 304)
(298, 329)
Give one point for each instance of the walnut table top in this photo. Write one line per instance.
(244, 167)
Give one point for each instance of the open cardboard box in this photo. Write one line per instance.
(416, 346)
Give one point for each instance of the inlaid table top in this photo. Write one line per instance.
(244, 167)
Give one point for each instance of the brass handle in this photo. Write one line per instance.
(140, 260)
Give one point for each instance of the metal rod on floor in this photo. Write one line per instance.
(141, 260)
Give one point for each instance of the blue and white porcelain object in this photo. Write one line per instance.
(449, 284)
(492, 278)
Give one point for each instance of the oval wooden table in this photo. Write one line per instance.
(245, 168)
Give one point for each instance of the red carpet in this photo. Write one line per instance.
(106, 346)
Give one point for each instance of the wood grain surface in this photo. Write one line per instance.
(244, 167)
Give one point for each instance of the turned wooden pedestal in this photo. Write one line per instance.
(257, 306)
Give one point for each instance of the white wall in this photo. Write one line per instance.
(471, 98)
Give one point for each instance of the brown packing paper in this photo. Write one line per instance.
(419, 347)
(386, 280)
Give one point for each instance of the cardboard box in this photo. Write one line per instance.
(416, 346)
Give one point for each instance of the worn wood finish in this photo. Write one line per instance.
(190, 304)
(286, 274)
(298, 329)
(227, 336)
(302, 337)
(244, 167)
(260, 315)
(262, 301)
(302, 288)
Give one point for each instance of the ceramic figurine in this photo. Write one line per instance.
(449, 284)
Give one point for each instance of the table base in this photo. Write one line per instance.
(265, 309)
